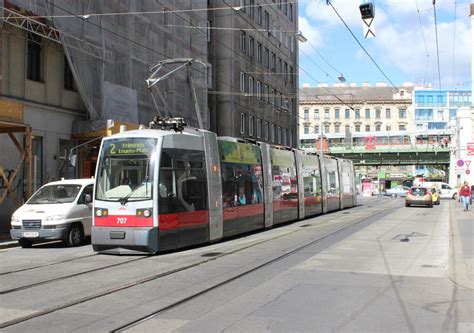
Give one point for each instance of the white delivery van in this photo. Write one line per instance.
(444, 189)
(58, 210)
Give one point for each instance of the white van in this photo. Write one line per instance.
(58, 210)
(444, 189)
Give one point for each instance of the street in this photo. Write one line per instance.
(380, 266)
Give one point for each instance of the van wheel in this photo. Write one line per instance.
(455, 196)
(25, 243)
(75, 236)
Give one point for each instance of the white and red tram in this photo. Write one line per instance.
(159, 190)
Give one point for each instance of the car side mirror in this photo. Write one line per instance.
(87, 199)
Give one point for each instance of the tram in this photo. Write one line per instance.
(168, 188)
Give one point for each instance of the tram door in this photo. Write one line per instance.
(182, 202)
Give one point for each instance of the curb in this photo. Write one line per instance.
(9, 244)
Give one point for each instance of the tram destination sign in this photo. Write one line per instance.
(129, 147)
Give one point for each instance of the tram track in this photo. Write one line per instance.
(47, 265)
(247, 272)
(177, 270)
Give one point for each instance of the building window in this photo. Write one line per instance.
(347, 113)
(290, 11)
(377, 127)
(272, 96)
(402, 113)
(326, 113)
(259, 15)
(252, 8)
(273, 62)
(388, 114)
(242, 82)
(266, 22)
(259, 89)
(251, 87)
(378, 113)
(402, 127)
(279, 69)
(336, 113)
(279, 135)
(367, 113)
(357, 128)
(290, 139)
(266, 58)
(251, 125)
(208, 31)
(243, 5)
(388, 128)
(34, 61)
(316, 129)
(272, 132)
(367, 128)
(306, 114)
(259, 53)
(316, 113)
(266, 130)
(68, 77)
(259, 128)
(326, 128)
(337, 128)
(266, 96)
(285, 135)
(251, 46)
(285, 71)
(306, 129)
(242, 123)
(243, 41)
(357, 113)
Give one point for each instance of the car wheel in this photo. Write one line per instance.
(455, 196)
(75, 236)
(25, 243)
(431, 205)
(407, 205)
(394, 195)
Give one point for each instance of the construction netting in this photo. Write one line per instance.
(110, 46)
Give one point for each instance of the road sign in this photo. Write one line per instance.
(467, 162)
(470, 149)
(468, 171)
(369, 30)
(460, 163)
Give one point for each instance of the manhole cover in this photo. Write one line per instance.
(304, 225)
(430, 266)
(211, 254)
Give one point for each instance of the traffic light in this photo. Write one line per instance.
(367, 10)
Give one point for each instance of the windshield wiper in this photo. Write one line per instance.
(124, 200)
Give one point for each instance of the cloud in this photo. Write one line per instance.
(325, 15)
(311, 33)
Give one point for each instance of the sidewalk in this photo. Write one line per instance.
(461, 245)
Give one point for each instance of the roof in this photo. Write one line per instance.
(81, 181)
(352, 94)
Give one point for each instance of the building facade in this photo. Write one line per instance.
(254, 53)
(340, 110)
(437, 109)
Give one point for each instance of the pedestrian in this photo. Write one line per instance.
(465, 195)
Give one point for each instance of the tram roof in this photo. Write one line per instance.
(147, 133)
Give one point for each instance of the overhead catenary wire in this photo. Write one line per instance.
(328, 2)
(424, 42)
(437, 45)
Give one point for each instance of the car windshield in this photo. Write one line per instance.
(418, 191)
(433, 190)
(54, 194)
(125, 171)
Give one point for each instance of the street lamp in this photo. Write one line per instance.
(299, 36)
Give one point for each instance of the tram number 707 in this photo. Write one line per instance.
(121, 220)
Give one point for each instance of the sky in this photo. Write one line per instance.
(404, 47)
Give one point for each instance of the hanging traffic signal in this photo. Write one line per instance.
(367, 10)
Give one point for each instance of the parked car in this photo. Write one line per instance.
(419, 196)
(58, 210)
(435, 195)
(397, 191)
(444, 189)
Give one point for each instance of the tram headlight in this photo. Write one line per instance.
(144, 212)
(101, 212)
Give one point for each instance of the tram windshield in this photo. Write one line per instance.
(125, 170)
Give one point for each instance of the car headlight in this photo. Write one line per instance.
(55, 218)
(15, 219)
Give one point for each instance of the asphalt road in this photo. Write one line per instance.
(377, 267)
